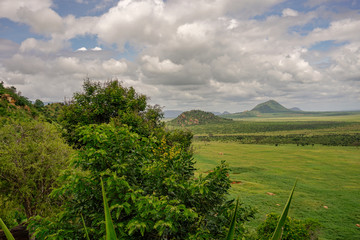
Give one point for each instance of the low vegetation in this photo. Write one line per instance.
(261, 175)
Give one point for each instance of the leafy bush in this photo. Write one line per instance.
(293, 229)
(31, 156)
(151, 190)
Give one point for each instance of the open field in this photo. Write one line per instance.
(328, 187)
(339, 118)
(333, 116)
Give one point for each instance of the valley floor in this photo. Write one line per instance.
(328, 181)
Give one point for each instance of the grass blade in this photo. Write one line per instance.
(86, 232)
(230, 235)
(110, 230)
(6, 230)
(279, 228)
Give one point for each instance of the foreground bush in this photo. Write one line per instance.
(294, 229)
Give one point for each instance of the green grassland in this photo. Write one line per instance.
(256, 115)
(328, 187)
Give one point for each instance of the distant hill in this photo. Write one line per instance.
(13, 104)
(270, 106)
(197, 117)
(296, 109)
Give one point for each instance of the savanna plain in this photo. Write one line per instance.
(262, 174)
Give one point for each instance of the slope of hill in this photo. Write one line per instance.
(12, 104)
(270, 106)
(197, 117)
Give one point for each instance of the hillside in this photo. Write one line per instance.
(270, 106)
(197, 117)
(12, 104)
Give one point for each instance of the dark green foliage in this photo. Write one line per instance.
(150, 188)
(197, 117)
(236, 127)
(38, 104)
(99, 103)
(31, 156)
(52, 111)
(293, 229)
(298, 139)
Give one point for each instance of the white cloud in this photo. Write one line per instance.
(10, 8)
(192, 54)
(288, 12)
(82, 49)
(152, 64)
(96, 49)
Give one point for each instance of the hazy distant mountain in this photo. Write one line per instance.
(296, 109)
(216, 113)
(270, 106)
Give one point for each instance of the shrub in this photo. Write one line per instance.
(293, 229)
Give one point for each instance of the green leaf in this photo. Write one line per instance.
(230, 235)
(279, 228)
(6, 230)
(110, 230)
(86, 232)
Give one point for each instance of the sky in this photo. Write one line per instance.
(213, 55)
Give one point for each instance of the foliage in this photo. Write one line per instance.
(151, 190)
(293, 229)
(230, 235)
(38, 104)
(31, 156)
(298, 139)
(197, 117)
(13, 105)
(99, 103)
(52, 111)
(243, 127)
(11, 212)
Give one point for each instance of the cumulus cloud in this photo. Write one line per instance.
(214, 55)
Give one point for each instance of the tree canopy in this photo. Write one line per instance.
(32, 154)
(99, 103)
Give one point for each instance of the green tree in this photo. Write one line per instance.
(38, 104)
(31, 156)
(150, 186)
(99, 103)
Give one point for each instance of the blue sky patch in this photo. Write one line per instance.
(16, 32)
(326, 45)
